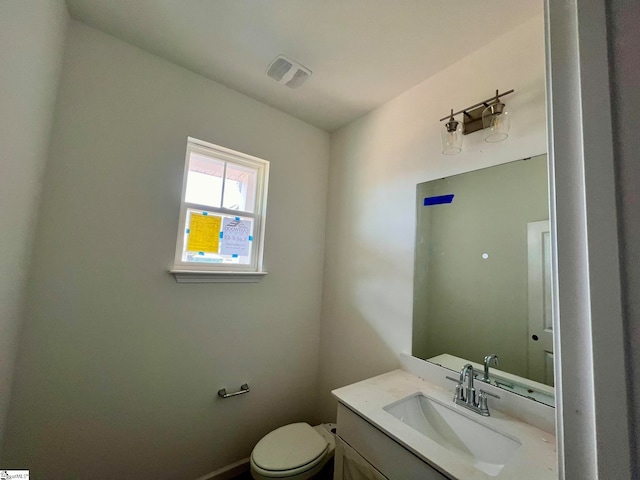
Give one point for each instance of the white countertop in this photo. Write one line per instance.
(535, 460)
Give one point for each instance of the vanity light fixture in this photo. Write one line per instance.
(451, 136)
(496, 121)
(490, 115)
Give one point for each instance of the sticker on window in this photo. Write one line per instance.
(236, 237)
(204, 233)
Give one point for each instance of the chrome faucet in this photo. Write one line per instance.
(469, 391)
(466, 394)
(461, 390)
(487, 361)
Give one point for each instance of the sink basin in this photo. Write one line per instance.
(484, 447)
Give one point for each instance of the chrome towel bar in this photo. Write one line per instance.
(244, 388)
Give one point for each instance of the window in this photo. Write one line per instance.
(222, 215)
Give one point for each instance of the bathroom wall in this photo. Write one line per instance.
(376, 163)
(119, 365)
(624, 44)
(31, 46)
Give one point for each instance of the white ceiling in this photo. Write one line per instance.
(362, 52)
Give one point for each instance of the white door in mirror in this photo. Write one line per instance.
(540, 343)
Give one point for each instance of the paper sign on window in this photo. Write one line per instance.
(204, 233)
(236, 237)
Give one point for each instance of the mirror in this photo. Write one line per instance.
(482, 275)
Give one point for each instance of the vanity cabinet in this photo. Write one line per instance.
(365, 453)
(400, 426)
(350, 465)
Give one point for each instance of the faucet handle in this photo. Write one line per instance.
(489, 393)
(482, 402)
(459, 395)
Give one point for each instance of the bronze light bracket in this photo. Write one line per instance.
(472, 116)
(452, 124)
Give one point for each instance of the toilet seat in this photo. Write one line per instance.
(288, 451)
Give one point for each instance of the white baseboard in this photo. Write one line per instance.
(228, 472)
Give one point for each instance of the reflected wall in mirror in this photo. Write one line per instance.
(482, 272)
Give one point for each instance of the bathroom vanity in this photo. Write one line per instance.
(401, 426)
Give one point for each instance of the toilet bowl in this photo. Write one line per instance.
(296, 451)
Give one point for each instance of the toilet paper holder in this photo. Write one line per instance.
(244, 388)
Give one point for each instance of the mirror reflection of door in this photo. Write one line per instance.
(540, 345)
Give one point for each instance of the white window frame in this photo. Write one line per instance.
(193, 272)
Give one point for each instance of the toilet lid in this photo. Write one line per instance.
(289, 447)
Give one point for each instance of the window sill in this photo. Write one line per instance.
(199, 276)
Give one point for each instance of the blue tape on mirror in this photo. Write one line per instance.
(439, 200)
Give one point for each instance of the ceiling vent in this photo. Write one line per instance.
(287, 71)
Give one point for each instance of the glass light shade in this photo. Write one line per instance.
(496, 121)
(451, 136)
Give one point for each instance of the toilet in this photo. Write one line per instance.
(296, 451)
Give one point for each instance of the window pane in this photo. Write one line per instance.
(221, 217)
(204, 180)
(240, 188)
(212, 237)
